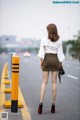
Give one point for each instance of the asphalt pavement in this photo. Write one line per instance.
(68, 96)
(68, 92)
(3, 59)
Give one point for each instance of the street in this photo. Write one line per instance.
(68, 92)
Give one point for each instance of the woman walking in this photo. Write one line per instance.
(51, 58)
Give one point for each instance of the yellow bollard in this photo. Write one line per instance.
(7, 82)
(15, 79)
(7, 90)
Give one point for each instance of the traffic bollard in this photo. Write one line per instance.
(15, 79)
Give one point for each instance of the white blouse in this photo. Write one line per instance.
(47, 46)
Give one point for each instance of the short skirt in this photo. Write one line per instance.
(50, 62)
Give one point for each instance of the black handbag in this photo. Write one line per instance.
(60, 72)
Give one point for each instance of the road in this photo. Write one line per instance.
(3, 59)
(68, 92)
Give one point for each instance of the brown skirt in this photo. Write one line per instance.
(50, 62)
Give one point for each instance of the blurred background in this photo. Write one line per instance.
(23, 24)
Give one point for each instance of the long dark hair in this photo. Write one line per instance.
(52, 32)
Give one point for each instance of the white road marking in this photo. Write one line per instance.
(72, 77)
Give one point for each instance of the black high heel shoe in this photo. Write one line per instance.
(53, 108)
(40, 108)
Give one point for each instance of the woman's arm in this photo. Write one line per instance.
(61, 56)
(41, 61)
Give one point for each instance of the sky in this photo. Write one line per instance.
(29, 18)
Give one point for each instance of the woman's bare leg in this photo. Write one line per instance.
(44, 84)
(54, 86)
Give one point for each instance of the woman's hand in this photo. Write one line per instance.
(60, 64)
(41, 62)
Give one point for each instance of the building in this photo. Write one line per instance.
(28, 43)
(7, 41)
(10, 44)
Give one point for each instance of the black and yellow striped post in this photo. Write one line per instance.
(15, 79)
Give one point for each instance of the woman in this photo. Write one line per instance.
(51, 57)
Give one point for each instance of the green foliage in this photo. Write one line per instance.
(64, 47)
(3, 50)
(75, 46)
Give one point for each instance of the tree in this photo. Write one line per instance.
(75, 49)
